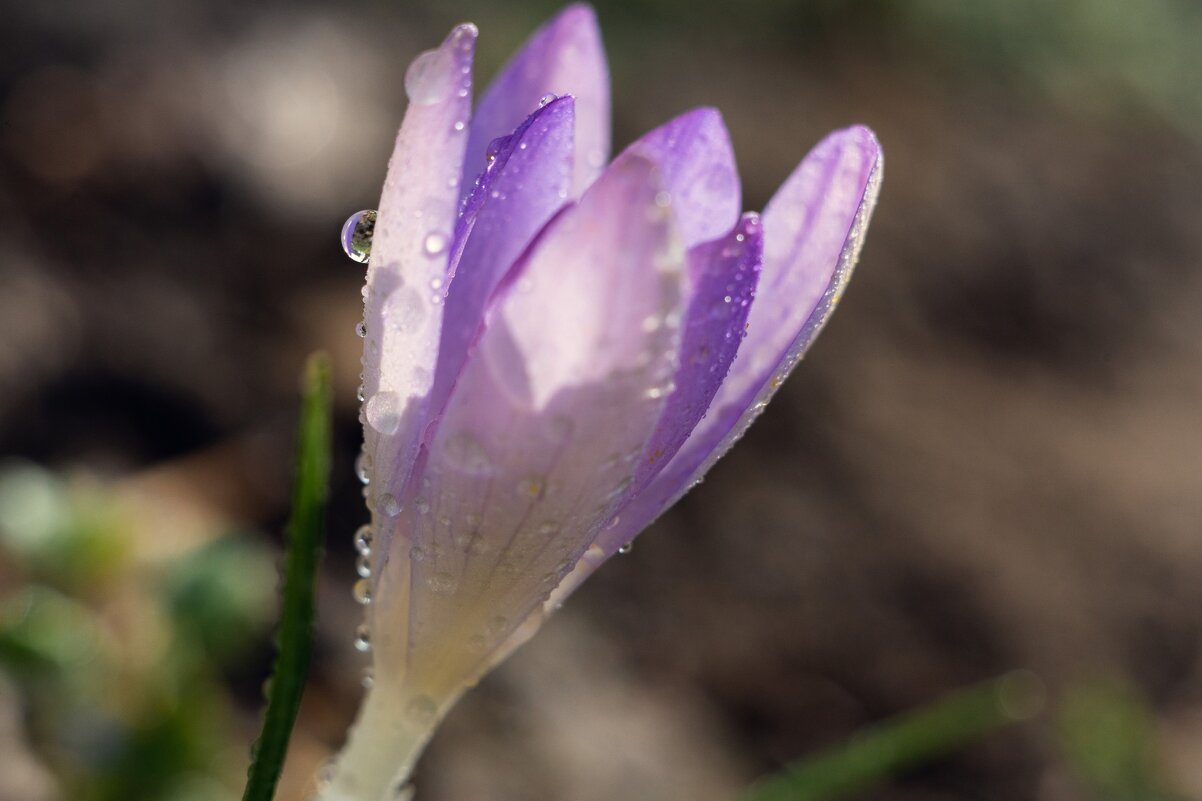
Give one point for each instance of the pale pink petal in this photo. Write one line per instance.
(541, 435)
(417, 210)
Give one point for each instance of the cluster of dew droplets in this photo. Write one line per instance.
(364, 541)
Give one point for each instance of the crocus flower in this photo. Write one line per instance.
(556, 349)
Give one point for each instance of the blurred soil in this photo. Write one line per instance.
(991, 459)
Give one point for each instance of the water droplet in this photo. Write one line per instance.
(363, 566)
(357, 232)
(459, 124)
(627, 548)
(325, 774)
(362, 591)
(430, 78)
(442, 583)
(360, 393)
(494, 148)
(363, 467)
(422, 506)
(531, 487)
(367, 679)
(389, 505)
(363, 539)
(497, 625)
(384, 412)
(361, 329)
(421, 710)
(663, 199)
(362, 638)
(434, 244)
(465, 453)
(404, 310)
(545, 99)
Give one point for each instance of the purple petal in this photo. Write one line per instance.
(525, 183)
(697, 166)
(564, 57)
(416, 213)
(541, 434)
(813, 231)
(723, 277)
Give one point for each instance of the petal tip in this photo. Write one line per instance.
(865, 137)
(577, 13)
(462, 37)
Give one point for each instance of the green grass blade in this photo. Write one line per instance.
(305, 535)
(912, 739)
(1108, 735)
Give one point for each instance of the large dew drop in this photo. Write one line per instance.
(384, 412)
(467, 454)
(357, 232)
(435, 243)
(430, 78)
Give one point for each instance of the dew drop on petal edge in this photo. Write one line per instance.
(357, 232)
(435, 243)
(362, 591)
(363, 467)
(362, 638)
(363, 540)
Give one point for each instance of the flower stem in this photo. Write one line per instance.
(388, 736)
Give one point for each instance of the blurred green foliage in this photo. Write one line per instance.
(122, 665)
(1108, 736)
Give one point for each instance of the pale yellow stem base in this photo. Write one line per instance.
(389, 734)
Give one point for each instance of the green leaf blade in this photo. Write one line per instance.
(305, 534)
(905, 742)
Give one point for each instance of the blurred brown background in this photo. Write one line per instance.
(991, 460)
